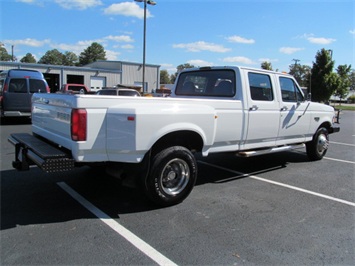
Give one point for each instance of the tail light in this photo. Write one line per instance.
(78, 124)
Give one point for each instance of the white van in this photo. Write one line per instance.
(16, 89)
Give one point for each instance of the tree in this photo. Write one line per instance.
(52, 57)
(91, 54)
(70, 59)
(28, 58)
(266, 65)
(301, 74)
(4, 55)
(324, 82)
(352, 80)
(344, 81)
(164, 77)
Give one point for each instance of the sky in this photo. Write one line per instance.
(198, 32)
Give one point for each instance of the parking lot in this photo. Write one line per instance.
(278, 209)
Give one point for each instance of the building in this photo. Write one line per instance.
(95, 75)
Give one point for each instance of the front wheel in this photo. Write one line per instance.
(318, 146)
(172, 176)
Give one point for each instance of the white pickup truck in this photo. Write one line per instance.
(212, 109)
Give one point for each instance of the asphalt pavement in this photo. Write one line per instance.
(278, 209)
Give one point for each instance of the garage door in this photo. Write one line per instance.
(96, 83)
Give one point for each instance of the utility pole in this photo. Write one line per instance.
(296, 61)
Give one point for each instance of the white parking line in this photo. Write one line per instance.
(340, 143)
(338, 160)
(281, 184)
(128, 235)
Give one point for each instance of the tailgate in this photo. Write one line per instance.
(51, 117)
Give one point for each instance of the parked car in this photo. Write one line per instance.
(16, 89)
(74, 89)
(118, 92)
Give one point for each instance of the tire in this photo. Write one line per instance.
(172, 176)
(318, 146)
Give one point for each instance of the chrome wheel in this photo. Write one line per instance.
(175, 176)
(322, 143)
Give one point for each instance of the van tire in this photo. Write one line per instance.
(172, 176)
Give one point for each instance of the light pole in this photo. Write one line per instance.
(149, 2)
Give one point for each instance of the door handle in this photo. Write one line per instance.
(253, 108)
(284, 108)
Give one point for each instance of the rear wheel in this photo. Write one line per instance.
(318, 146)
(172, 176)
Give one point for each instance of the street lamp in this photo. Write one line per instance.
(149, 2)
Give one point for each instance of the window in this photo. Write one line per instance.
(37, 85)
(18, 86)
(290, 91)
(213, 82)
(260, 87)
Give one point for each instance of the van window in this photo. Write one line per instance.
(18, 85)
(37, 85)
(260, 87)
(1, 85)
(289, 90)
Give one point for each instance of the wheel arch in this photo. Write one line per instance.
(186, 138)
(327, 125)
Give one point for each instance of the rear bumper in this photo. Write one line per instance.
(30, 150)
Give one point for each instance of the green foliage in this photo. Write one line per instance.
(344, 81)
(28, 58)
(164, 77)
(323, 81)
(52, 57)
(351, 99)
(4, 56)
(266, 65)
(91, 54)
(70, 59)
(301, 74)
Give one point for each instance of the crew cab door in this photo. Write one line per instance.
(294, 118)
(263, 111)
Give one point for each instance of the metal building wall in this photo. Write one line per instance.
(133, 75)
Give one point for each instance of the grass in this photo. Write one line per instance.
(345, 107)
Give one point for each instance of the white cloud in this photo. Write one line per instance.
(112, 55)
(128, 9)
(78, 4)
(352, 32)
(239, 59)
(290, 50)
(267, 60)
(320, 40)
(120, 38)
(127, 46)
(202, 46)
(239, 39)
(199, 63)
(28, 42)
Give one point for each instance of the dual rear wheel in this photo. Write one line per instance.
(172, 176)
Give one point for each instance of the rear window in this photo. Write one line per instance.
(127, 93)
(220, 83)
(108, 92)
(18, 85)
(37, 85)
(76, 88)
